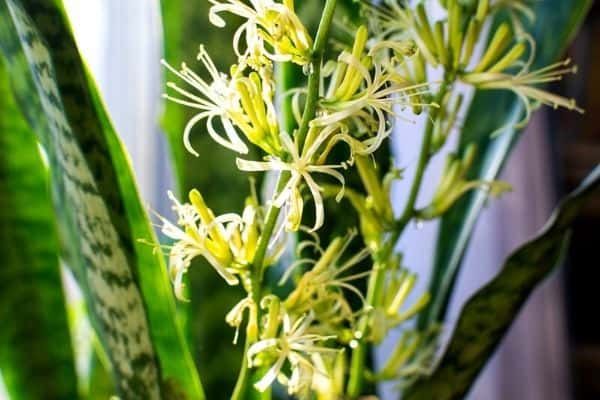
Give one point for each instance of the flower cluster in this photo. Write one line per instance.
(354, 109)
(504, 65)
(268, 22)
(351, 99)
(228, 242)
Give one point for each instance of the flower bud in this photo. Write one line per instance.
(250, 234)
(217, 245)
(455, 33)
(510, 58)
(483, 7)
(424, 31)
(471, 37)
(502, 37)
(454, 184)
(368, 175)
(272, 304)
(294, 215)
(440, 44)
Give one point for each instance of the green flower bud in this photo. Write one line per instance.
(368, 175)
(502, 37)
(454, 184)
(510, 58)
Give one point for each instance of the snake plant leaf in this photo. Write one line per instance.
(36, 357)
(101, 217)
(489, 111)
(489, 313)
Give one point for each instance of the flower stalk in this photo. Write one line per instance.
(301, 339)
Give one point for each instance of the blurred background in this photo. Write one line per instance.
(552, 352)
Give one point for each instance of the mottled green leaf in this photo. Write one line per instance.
(36, 356)
(489, 313)
(556, 23)
(101, 217)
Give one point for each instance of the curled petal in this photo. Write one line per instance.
(315, 191)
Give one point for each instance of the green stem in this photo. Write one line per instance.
(424, 156)
(273, 212)
(374, 298)
(239, 392)
(381, 257)
(314, 78)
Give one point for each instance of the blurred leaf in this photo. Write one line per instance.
(556, 24)
(36, 357)
(489, 313)
(101, 217)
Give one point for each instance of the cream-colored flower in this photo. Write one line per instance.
(524, 86)
(301, 167)
(241, 103)
(212, 100)
(228, 242)
(363, 93)
(235, 317)
(198, 233)
(388, 18)
(320, 289)
(296, 345)
(267, 21)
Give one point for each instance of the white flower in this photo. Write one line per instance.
(197, 237)
(388, 18)
(301, 167)
(242, 102)
(363, 93)
(371, 106)
(266, 20)
(524, 86)
(213, 100)
(320, 289)
(295, 345)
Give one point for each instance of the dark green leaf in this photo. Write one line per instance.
(36, 356)
(100, 214)
(556, 23)
(489, 313)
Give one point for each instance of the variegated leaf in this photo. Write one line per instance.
(101, 217)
